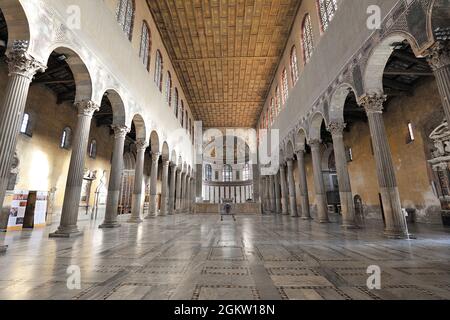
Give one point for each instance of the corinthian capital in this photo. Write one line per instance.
(86, 107)
(141, 144)
(120, 131)
(336, 128)
(438, 55)
(155, 156)
(373, 103)
(20, 62)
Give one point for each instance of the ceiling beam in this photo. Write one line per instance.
(213, 59)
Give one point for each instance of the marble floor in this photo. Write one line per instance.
(199, 257)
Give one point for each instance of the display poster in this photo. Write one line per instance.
(17, 211)
(40, 210)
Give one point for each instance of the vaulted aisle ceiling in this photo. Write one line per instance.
(225, 53)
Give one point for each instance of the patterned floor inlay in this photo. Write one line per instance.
(201, 258)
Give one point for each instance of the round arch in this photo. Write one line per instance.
(16, 21)
(117, 105)
(315, 126)
(154, 142)
(80, 71)
(300, 139)
(373, 75)
(289, 150)
(139, 124)
(165, 153)
(337, 102)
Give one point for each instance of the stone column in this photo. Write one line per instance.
(304, 194)
(256, 183)
(186, 193)
(173, 182)
(438, 57)
(272, 194)
(69, 216)
(267, 194)
(153, 211)
(291, 186)
(22, 67)
(115, 178)
(178, 195)
(284, 194)
(321, 196)
(136, 202)
(395, 220)
(277, 194)
(345, 189)
(183, 192)
(165, 188)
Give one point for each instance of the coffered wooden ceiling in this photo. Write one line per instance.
(225, 53)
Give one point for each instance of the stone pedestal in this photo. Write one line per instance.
(136, 202)
(321, 196)
(395, 220)
(345, 190)
(304, 195)
(22, 68)
(153, 212)
(291, 186)
(69, 216)
(284, 193)
(115, 178)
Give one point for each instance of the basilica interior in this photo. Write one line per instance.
(223, 150)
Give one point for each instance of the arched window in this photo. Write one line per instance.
(66, 138)
(284, 87)
(327, 9)
(175, 101)
(93, 149)
(227, 173)
(146, 42)
(159, 70)
(294, 66)
(278, 99)
(182, 114)
(169, 89)
(307, 38)
(125, 16)
(246, 172)
(24, 128)
(208, 172)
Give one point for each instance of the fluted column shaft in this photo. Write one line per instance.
(115, 178)
(395, 220)
(291, 186)
(165, 188)
(284, 193)
(345, 189)
(438, 57)
(173, 181)
(22, 68)
(321, 197)
(153, 185)
(304, 193)
(277, 194)
(69, 216)
(136, 202)
(178, 189)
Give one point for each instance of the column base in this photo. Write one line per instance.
(135, 220)
(350, 226)
(392, 234)
(324, 221)
(61, 233)
(3, 249)
(307, 218)
(109, 225)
